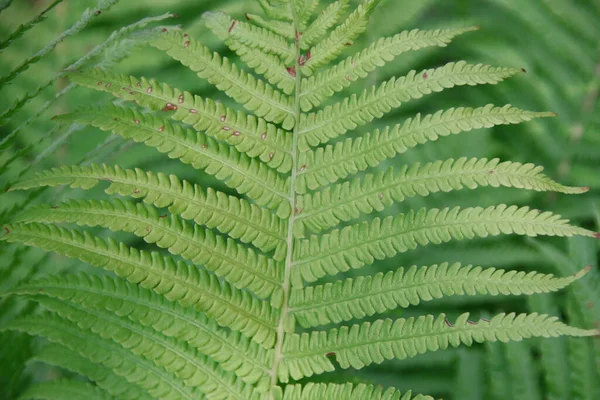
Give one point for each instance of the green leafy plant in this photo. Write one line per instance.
(251, 302)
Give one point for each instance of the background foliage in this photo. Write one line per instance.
(556, 41)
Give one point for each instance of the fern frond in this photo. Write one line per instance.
(241, 266)
(228, 214)
(268, 65)
(77, 27)
(361, 244)
(253, 94)
(249, 35)
(319, 87)
(304, 11)
(65, 390)
(276, 9)
(356, 346)
(341, 37)
(20, 31)
(238, 171)
(370, 295)
(349, 200)
(175, 356)
(188, 285)
(232, 351)
(335, 120)
(60, 356)
(328, 164)
(246, 133)
(281, 28)
(522, 371)
(553, 353)
(317, 30)
(137, 370)
(584, 356)
(348, 391)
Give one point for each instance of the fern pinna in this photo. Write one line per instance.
(241, 310)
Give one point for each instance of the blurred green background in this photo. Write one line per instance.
(556, 41)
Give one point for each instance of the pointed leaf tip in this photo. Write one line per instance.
(597, 235)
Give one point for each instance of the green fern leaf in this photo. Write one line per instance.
(232, 351)
(20, 31)
(189, 285)
(263, 63)
(276, 9)
(249, 35)
(248, 134)
(60, 356)
(140, 371)
(241, 266)
(320, 87)
(65, 390)
(364, 296)
(306, 354)
(361, 244)
(176, 357)
(317, 30)
(341, 37)
(253, 94)
(246, 175)
(333, 121)
(328, 164)
(81, 24)
(304, 11)
(349, 200)
(282, 28)
(230, 215)
(348, 391)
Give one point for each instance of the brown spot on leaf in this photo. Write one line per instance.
(108, 85)
(169, 107)
(149, 90)
(223, 118)
(292, 71)
(236, 133)
(425, 75)
(180, 99)
(186, 43)
(330, 354)
(271, 155)
(232, 25)
(136, 121)
(193, 111)
(99, 83)
(263, 136)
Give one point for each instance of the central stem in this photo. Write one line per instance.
(277, 355)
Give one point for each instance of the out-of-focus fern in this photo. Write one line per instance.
(246, 265)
